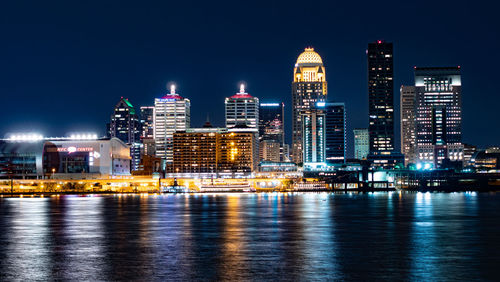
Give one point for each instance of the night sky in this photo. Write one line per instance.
(64, 65)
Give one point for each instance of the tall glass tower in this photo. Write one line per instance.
(308, 87)
(125, 126)
(380, 97)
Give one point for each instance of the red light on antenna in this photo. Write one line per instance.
(379, 41)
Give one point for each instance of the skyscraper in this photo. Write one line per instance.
(438, 114)
(172, 113)
(361, 143)
(125, 126)
(335, 135)
(408, 123)
(313, 134)
(147, 131)
(242, 109)
(308, 87)
(380, 96)
(272, 132)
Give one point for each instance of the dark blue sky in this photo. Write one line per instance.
(64, 65)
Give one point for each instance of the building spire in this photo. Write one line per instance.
(172, 89)
(242, 88)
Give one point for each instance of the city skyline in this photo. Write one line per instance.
(47, 77)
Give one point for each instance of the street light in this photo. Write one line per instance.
(53, 171)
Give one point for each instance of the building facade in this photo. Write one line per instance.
(313, 134)
(242, 109)
(308, 87)
(214, 151)
(407, 104)
(272, 131)
(125, 125)
(438, 115)
(172, 113)
(380, 96)
(361, 143)
(64, 158)
(335, 132)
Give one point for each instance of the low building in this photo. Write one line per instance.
(487, 160)
(207, 152)
(64, 158)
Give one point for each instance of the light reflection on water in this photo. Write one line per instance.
(268, 236)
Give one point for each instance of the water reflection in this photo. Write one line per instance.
(398, 236)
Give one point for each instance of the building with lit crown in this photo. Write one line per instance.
(438, 115)
(308, 87)
(242, 109)
(172, 113)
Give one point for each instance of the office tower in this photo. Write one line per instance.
(147, 119)
(147, 131)
(308, 87)
(171, 114)
(380, 97)
(242, 109)
(125, 126)
(469, 151)
(272, 131)
(438, 114)
(313, 134)
(335, 135)
(408, 123)
(361, 143)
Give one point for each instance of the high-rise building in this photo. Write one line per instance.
(438, 114)
(380, 96)
(125, 126)
(269, 151)
(147, 131)
(361, 143)
(272, 131)
(172, 113)
(147, 121)
(242, 109)
(335, 134)
(308, 87)
(313, 134)
(408, 123)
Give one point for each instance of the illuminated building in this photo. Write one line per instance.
(209, 151)
(335, 134)
(269, 150)
(272, 132)
(487, 160)
(171, 114)
(408, 123)
(195, 151)
(438, 116)
(361, 143)
(147, 122)
(125, 126)
(313, 134)
(242, 109)
(469, 151)
(65, 158)
(380, 97)
(308, 87)
(147, 133)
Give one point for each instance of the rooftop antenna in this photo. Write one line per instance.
(242, 88)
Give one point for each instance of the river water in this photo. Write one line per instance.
(263, 236)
